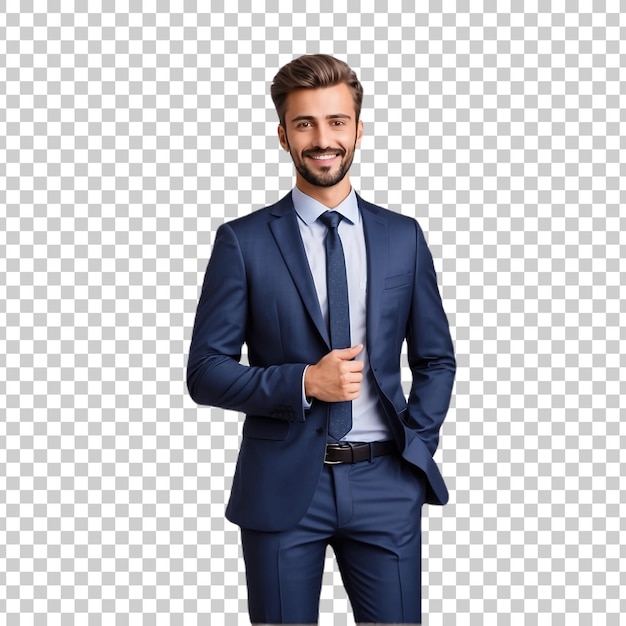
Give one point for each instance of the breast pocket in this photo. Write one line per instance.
(399, 281)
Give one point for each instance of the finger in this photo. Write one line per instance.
(352, 379)
(347, 354)
(351, 387)
(348, 365)
(353, 366)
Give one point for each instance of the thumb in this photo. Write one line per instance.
(347, 354)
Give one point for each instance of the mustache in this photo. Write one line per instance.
(320, 152)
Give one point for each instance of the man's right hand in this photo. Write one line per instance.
(336, 377)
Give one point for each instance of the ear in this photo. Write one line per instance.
(359, 134)
(282, 137)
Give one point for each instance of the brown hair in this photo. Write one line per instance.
(313, 71)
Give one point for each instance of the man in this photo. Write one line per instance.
(324, 288)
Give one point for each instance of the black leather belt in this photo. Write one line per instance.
(355, 452)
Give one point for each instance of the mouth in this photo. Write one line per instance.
(325, 158)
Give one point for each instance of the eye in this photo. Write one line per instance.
(303, 125)
(338, 122)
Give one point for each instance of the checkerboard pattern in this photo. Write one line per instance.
(129, 131)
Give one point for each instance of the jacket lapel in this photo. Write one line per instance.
(375, 231)
(287, 235)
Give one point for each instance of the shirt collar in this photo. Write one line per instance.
(309, 209)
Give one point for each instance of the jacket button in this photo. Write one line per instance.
(319, 431)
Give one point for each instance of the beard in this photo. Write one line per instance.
(324, 176)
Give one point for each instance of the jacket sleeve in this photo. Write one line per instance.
(214, 374)
(430, 351)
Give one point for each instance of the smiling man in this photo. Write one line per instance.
(316, 166)
(325, 288)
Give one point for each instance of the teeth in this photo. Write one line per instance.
(324, 157)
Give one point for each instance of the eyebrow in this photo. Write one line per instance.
(308, 118)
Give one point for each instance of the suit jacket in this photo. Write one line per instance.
(258, 289)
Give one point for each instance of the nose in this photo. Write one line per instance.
(321, 137)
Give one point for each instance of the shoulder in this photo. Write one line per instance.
(260, 217)
(384, 213)
(398, 223)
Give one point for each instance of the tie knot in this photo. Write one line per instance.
(331, 218)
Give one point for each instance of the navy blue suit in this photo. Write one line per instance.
(258, 289)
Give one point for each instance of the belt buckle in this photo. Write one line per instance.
(335, 445)
(327, 462)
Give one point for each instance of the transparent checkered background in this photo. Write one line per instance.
(129, 131)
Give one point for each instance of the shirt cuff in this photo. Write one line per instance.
(305, 403)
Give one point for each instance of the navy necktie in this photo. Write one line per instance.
(340, 421)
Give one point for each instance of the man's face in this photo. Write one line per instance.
(321, 133)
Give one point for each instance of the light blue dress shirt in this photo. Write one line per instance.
(368, 419)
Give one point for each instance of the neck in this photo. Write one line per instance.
(328, 196)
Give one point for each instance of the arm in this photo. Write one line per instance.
(214, 375)
(430, 351)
